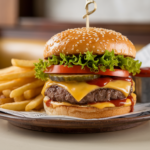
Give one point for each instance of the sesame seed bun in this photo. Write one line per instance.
(80, 40)
(87, 112)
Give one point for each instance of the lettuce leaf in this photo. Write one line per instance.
(94, 62)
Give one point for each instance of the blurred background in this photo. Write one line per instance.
(25, 25)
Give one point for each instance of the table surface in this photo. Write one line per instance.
(14, 138)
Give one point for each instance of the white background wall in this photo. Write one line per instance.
(123, 11)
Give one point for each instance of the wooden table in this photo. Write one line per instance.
(14, 138)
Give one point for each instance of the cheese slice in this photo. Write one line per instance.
(80, 89)
(100, 105)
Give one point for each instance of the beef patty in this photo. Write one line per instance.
(60, 94)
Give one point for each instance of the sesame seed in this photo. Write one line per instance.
(76, 45)
(86, 37)
(77, 42)
(87, 44)
(93, 46)
(90, 41)
(87, 49)
(100, 42)
(77, 50)
(103, 40)
(76, 38)
(80, 41)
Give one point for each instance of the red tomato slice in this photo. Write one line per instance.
(61, 69)
(145, 72)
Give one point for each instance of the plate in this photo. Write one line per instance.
(75, 126)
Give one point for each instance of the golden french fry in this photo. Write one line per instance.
(15, 73)
(17, 106)
(29, 94)
(4, 81)
(19, 91)
(15, 83)
(2, 96)
(6, 93)
(34, 103)
(19, 98)
(6, 100)
(41, 106)
(23, 63)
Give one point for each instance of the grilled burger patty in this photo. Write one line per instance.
(60, 94)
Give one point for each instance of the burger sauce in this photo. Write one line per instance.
(48, 103)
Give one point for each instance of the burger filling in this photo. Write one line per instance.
(59, 94)
(88, 80)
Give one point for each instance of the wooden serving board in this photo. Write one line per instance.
(74, 126)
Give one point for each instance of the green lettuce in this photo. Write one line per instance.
(94, 62)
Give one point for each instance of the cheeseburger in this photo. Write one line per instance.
(88, 73)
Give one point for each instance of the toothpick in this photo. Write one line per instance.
(87, 11)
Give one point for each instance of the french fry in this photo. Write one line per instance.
(2, 96)
(34, 103)
(19, 91)
(23, 63)
(4, 81)
(29, 94)
(17, 106)
(15, 73)
(6, 100)
(15, 83)
(41, 106)
(6, 93)
(19, 98)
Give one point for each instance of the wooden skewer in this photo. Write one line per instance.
(87, 17)
(87, 11)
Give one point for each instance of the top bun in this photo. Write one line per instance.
(80, 40)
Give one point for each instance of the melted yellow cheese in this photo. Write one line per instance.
(97, 105)
(120, 85)
(80, 89)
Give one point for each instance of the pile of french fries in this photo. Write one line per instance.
(19, 89)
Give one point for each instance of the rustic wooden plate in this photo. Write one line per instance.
(75, 126)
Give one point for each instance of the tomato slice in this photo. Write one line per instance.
(145, 72)
(61, 69)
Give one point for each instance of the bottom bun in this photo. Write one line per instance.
(87, 112)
